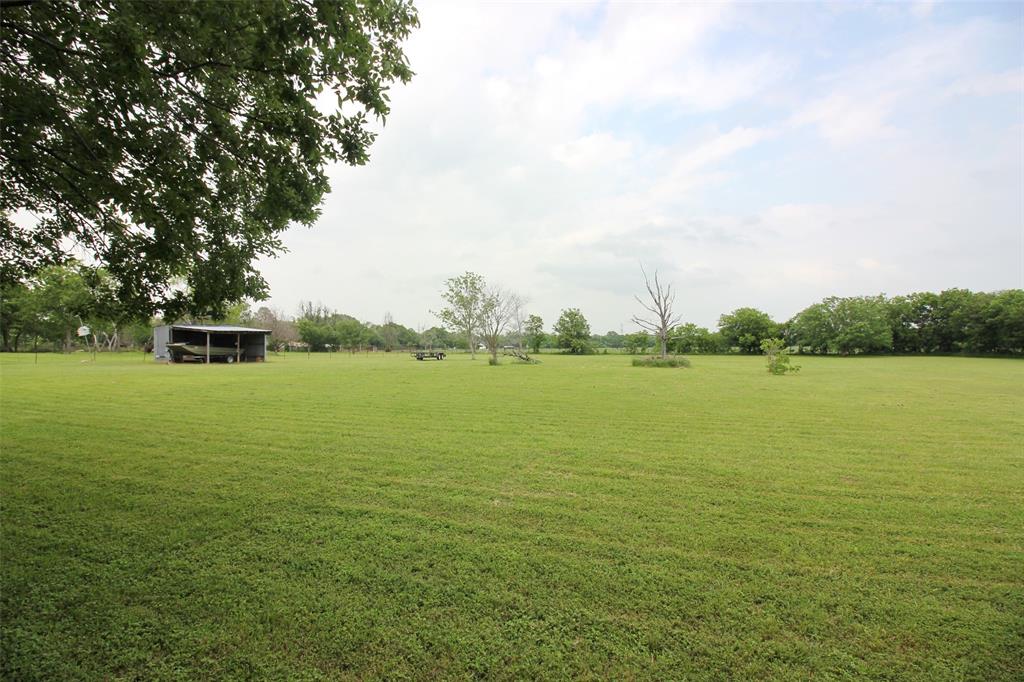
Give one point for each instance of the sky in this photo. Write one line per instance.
(765, 155)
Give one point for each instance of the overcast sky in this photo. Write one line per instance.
(757, 155)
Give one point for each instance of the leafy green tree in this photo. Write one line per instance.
(389, 332)
(497, 312)
(910, 321)
(1006, 313)
(611, 339)
(745, 328)
(926, 322)
(689, 338)
(15, 314)
(573, 332)
(140, 334)
(371, 338)
(717, 343)
(350, 333)
(812, 328)
(436, 337)
(61, 301)
(408, 337)
(393, 335)
(637, 342)
(179, 139)
(949, 320)
(108, 316)
(311, 324)
(534, 329)
(923, 327)
(860, 324)
(61, 298)
(323, 329)
(234, 314)
(981, 322)
(317, 335)
(465, 297)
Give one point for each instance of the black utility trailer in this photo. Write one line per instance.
(428, 354)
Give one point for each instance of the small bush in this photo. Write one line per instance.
(777, 356)
(492, 361)
(661, 362)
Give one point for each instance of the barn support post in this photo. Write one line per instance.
(207, 347)
(238, 348)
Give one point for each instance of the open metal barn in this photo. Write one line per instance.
(209, 343)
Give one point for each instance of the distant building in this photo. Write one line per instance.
(209, 343)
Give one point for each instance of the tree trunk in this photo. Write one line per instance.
(664, 347)
(472, 348)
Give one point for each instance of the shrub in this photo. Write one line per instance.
(661, 362)
(778, 357)
(492, 361)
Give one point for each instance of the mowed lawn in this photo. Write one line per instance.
(367, 517)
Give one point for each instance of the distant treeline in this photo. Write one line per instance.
(50, 308)
(320, 328)
(953, 321)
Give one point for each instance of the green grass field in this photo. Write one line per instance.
(360, 517)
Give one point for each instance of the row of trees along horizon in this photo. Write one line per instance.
(45, 311)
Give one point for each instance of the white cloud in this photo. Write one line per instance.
(922, 8)
(868, 263)
(591, 151)
(719, 148)
(602, 136)
(847, 119)
(862, 100)
(988, 84)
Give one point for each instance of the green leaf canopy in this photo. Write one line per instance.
(174, 141)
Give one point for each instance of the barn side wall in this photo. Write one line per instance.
(255, 347)
(161, 337)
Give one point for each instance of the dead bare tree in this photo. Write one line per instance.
(662, 299)
(522, 356)
(517, 304)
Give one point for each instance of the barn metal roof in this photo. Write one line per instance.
(219, 329)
